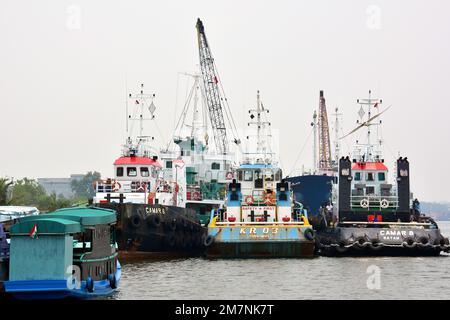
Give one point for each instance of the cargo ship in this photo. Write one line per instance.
(375, 215)
(259, 218)
(152, 219)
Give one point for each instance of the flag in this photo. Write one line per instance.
(33, 232)
(137, 101)
(376, 105)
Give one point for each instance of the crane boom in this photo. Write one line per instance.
(212, 93)
(324, 137)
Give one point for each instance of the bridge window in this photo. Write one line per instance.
(215, 166)
(119, 172)
(144, 172)
(357, 176)
(169, 164)
(278, 176)
(268, 176)
(381, 176)
(248, 175)
(131, 172)
(370, 176)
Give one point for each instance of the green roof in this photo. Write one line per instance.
(53, 226)
(68, 220)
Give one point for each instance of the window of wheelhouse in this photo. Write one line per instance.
(278, 175)
(370, 176)
(145, 172)
(258, 179)
(131, 172)
(240, 174)
(119, 172)
(248, 175)
(357, 176)
(215, 166)
(169, 164)
(381, 176)
(268, 176)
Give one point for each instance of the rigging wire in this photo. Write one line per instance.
(301, 151)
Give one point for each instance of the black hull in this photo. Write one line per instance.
(157, 231)
(345, 241)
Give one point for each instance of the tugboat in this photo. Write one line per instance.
(259, 219)
(151, 218)
(376, 217)
(67, 253)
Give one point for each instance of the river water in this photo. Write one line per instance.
(280, 279)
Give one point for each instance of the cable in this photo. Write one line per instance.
(301, 151)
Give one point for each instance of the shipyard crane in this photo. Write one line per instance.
(217, 107)
(324, 137)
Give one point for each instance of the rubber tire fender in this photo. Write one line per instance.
(154, 220)
(90, 284)
(309, 234)
(209, 240)
(135, 220)
(112, 281)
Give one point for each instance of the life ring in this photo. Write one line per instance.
(249, 200)
(90, 284)
(196, 195)
(384, 203)
(154, 220)
(209, 240)
(140, 186)
(116, 186)
(309, 234)
(364, 203)
(269, 200)
(229, 175)
(112, 281)
(135, 221)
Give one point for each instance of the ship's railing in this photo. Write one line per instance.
(110, 186)
(374, 202)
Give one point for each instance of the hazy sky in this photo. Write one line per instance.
(64, 65)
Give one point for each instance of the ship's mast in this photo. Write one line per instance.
(144, 110)
(337, 141)
(263, 149)
(371, 151)
(314, 125)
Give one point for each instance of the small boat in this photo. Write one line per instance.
(67, 253)
(9, 214)
(259, 218)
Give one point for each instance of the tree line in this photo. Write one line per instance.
(28, 192)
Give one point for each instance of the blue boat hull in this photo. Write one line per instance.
(58, 289)
(250, 241)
